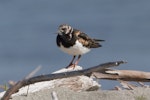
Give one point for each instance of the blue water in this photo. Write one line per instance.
(27, 37)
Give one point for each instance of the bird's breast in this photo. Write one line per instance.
(76, 49)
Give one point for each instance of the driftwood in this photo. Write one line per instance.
(99, 71)
(126, 75)
(48, 77)
(54, 95)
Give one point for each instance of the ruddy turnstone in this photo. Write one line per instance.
(75, 42)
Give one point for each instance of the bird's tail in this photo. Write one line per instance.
(99, 40)
(96, 43)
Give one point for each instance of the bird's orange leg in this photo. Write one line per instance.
(71, 63)
(77, 61)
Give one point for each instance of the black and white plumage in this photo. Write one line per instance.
(75, 42)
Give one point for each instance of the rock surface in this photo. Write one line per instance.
(77, 88)
(66, 94)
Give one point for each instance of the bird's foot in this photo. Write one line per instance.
(71, 66)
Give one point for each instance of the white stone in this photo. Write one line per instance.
(77, 83)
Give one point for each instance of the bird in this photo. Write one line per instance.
(75, 42)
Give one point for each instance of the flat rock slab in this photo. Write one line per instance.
(66, 94)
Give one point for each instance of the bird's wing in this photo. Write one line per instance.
(86, 40)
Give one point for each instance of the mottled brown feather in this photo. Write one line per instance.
(86, 40)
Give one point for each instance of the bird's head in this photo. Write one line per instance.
(65, 29)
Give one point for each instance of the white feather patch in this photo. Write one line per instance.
(77, 49)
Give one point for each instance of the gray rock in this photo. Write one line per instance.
(67, 94)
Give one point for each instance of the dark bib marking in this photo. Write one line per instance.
(65, 42)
